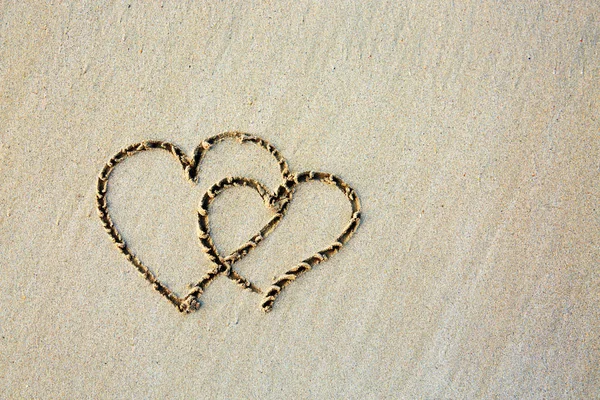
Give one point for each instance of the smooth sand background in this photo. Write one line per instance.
(470, 131)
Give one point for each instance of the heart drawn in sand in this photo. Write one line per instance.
(277, 201)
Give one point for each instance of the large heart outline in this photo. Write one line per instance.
(191, 168)
(223, 265)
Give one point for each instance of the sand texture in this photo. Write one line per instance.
(470, 131)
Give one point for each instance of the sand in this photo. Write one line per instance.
(469, 130)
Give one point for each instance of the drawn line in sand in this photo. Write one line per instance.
(277, 201)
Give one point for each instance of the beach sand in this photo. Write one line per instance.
(470, 132)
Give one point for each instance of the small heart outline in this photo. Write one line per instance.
(224, 265)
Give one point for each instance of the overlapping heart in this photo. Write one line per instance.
(277, 201)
